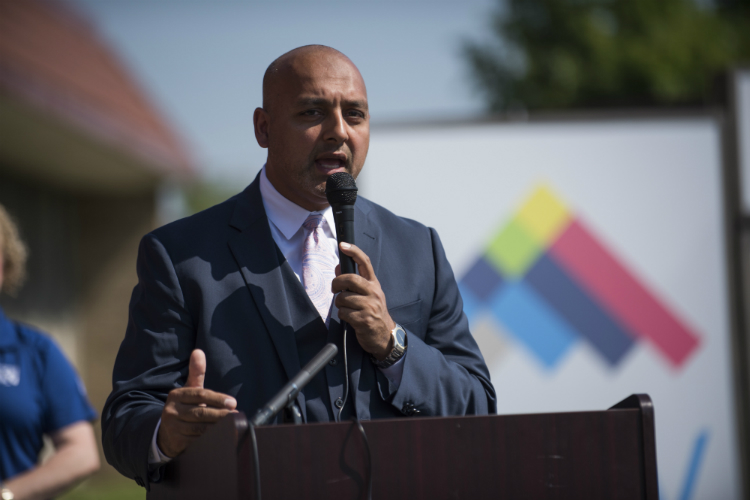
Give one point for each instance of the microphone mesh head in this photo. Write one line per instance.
(341, 189)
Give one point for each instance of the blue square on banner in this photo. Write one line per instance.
(535, 324)
(482, 279)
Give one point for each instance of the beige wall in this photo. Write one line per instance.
(109, 236)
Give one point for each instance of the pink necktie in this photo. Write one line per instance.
(318, 264)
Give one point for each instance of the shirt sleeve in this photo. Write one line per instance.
(155, 456)
(65, 400)
(394, 372)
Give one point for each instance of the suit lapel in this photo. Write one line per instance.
(367, 237)
(367, 234)
(260, 263)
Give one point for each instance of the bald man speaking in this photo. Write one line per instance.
(229, 304)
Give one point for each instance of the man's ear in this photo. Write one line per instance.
(260, 122)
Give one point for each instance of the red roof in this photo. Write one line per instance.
(52, 58)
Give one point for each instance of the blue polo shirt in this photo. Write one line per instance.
(40, 393)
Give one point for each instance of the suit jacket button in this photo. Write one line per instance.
(408, 408)
(339, 403)
(332, 362)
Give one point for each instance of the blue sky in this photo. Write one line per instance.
(202, 62)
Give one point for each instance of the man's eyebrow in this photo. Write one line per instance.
(357, 104)
(319, 101)
(311, 101)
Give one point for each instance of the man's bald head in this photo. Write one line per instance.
(315, 122)
(295, 63)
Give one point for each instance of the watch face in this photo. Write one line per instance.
(400, 335)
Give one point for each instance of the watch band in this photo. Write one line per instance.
(398, 351)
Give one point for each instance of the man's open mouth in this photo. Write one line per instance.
(330, 163)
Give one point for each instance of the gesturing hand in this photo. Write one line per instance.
(361, 303)
(191, 409)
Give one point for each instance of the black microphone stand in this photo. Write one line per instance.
(286, 396)
(285, 399)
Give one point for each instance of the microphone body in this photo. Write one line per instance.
(343, 215)
(289, 392)
(341, 192)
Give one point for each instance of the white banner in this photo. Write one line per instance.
(591, 260)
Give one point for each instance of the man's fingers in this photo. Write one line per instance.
(351, 283)
(345, 314)
(196, 369)
(363, 261)
(349, 300)
(198, 396)
(200, 414)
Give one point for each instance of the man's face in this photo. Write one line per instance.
(318, 123)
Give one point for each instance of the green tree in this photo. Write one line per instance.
(588, 53)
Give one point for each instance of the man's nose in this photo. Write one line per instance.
(336, 127)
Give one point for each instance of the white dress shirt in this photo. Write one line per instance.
(286, 219)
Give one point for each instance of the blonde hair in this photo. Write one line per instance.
(14, 254)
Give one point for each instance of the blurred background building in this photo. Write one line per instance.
(82, 155)
(95, 94)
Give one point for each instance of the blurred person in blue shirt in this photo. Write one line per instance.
(40, 393)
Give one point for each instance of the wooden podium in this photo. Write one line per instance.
(580, 456)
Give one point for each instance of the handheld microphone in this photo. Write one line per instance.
(341, 192)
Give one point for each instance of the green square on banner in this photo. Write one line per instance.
(513, 250)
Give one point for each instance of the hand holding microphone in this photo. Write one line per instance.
(362, 304)
(360, 300)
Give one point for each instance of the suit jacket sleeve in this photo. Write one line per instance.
(152, 360)
(444, 372)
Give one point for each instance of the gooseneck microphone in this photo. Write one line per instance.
(289, 392)
(341, 192)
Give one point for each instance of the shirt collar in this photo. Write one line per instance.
(286, 215)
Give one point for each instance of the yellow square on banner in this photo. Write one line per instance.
(544, 215)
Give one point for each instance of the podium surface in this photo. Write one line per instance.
(607, 454)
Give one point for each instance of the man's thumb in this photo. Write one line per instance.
(197, 369)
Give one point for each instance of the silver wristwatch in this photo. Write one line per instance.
(398, 351)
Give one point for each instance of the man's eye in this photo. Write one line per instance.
(311, 112)
(356, 114)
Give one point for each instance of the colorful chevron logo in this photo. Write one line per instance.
(548, 282)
